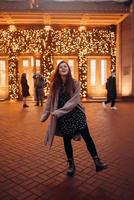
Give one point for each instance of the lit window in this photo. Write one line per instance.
(37, 62)
(103, 71)
(93, 71)
(58, 61)
(71, 65)
(2, 73)
(25, 63)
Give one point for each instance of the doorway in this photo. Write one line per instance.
(4, 91)
(30, 66)
(98, 70)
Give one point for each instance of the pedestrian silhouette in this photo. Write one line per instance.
(39, 83)
(25, 89)
(111, 91)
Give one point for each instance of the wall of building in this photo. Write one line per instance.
(126, 56)
(99, 41)
(132, 22)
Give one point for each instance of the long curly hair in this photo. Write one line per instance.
(56, 81)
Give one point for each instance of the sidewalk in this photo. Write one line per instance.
(29, 171)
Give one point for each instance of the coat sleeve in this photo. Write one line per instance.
(47, 109)
(71, 103)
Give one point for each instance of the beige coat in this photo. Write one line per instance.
(52, 107)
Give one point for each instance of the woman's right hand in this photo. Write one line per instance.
(43, 118)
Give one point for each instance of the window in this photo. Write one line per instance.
(103, 71)
(93, 71)
(58, 61)
(37, 62)
(2, 73)
(71, 64)
(25, 63)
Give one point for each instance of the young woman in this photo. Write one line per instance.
(67, 116)
(25, 89)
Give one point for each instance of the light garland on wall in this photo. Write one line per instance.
(13, 77)
(66, 41)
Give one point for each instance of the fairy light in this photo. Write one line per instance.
(62, 41)
(13, 77)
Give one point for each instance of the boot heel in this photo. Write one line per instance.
(99, 165)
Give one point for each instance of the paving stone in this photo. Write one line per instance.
(30, 171)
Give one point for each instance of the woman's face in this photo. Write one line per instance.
(63, 69)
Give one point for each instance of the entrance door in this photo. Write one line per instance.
(3, 78)
(71, 60)
(26, 65)
(97, 73)
(30, 66)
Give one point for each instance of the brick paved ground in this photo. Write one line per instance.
(29, 171)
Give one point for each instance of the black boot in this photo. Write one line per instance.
(71, 168)
(99, 165)
(25, 106)
(37, 104)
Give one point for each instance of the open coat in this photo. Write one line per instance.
(53, 107)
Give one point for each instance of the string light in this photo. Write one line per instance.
(65, 41)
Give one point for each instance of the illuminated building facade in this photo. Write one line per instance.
(93, 37)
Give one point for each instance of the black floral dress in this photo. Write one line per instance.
(72, 122)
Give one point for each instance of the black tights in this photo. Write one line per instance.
(88, 140)
(110, 100)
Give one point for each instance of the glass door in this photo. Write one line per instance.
(97, 73)
(26, 65)
(3, 79)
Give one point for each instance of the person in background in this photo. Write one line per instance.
(111, 91)
(68, 118)
(25, 89)
(39, 83)
(34, 3)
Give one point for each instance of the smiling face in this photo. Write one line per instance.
(63, 69)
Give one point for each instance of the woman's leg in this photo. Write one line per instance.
(112, 102)
(107, 101)
(69, 153)
(92, 149)
(37, 97)
(68, 147)
(89, 141)
(24, 100)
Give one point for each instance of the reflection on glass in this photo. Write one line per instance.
(71, 64)
(25, 63)
(103, 71)
(37, 62)
(93, 71)
(32, 61)
(2, 73)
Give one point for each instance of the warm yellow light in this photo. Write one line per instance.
(126, 87)
(44, 44)
(82, 28)
(12, 28)
(48, 28)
